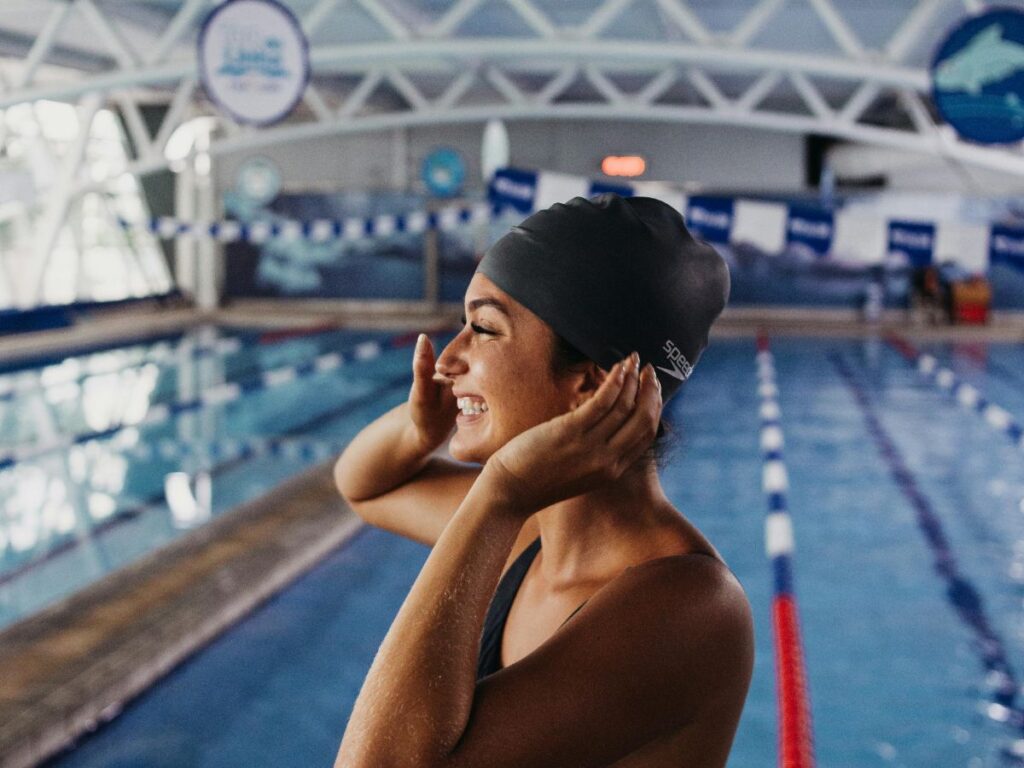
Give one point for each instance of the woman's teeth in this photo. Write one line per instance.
(470, 407)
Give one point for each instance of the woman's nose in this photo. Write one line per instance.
(450, 361)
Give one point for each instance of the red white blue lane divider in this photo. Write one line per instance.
(968, 396)
(318, 230)
(1000, 680)
(796, 739)
(220, 394)
(160, 353)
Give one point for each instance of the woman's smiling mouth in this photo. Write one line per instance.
(470, 409)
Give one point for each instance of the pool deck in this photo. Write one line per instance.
(74, 665)
(840, 323)
(125, 325)
(109, 328)
(734, 322)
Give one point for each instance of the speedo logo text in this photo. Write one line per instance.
(681, 368)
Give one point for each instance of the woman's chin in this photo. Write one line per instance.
(468, 450)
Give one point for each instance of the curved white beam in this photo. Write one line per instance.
(544, 55)
(106, 82)
(522, 55)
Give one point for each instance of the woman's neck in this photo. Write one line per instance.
(593, 537)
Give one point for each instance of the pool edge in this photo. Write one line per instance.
(74, 665)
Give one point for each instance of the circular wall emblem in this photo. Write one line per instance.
(978, 77)
(444, 172)
(253, 60)
(259, 180)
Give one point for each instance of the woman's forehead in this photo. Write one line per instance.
(481, 283)
(482, 287)
(482, 291)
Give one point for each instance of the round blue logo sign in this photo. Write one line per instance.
(253, 60)
(444, 172)
(978, 77)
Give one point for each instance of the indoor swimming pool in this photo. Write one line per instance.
(908, 515)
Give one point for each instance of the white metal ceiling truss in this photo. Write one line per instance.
(423, 71)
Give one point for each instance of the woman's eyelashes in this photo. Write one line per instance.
(476, 328)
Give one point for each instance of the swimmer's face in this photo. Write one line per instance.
(502, 355)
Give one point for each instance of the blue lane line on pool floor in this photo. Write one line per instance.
(962, 594)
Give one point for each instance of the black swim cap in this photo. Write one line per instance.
(615, 274)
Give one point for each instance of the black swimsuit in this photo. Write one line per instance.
(497, 613)
(501, 603)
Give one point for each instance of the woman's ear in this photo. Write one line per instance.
(586, 380)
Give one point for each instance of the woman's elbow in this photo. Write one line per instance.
(343, 482)
(339, 476)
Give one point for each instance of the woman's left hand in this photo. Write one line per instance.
(582, 449)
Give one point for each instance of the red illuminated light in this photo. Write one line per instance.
(623, 165)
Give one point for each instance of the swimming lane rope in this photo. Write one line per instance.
(318, 230)
(161, 353)
(967, 395)
(219, 394)
(796, 740)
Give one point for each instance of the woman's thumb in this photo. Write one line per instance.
(423, 356)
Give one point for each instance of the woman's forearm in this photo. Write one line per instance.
(385, 454)
(415, 703)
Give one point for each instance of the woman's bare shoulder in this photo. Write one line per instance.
(697, 597)
(699, 576)
(663, 646)
(696, 583)
(703, 613)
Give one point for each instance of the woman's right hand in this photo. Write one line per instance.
(432, 405)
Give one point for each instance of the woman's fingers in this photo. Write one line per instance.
(627, 398)
(640, 428)
(590, 414)
(623, 406)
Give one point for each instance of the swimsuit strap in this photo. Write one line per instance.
(497, 613)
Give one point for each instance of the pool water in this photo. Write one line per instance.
(70, 516)
(902, 503)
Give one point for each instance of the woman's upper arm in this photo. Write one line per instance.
(421, 507)
(665, 647)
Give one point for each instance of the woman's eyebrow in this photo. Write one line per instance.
(487, 301)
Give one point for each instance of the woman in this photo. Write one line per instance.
(565, 511)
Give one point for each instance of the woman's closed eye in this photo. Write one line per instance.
(476, 328)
